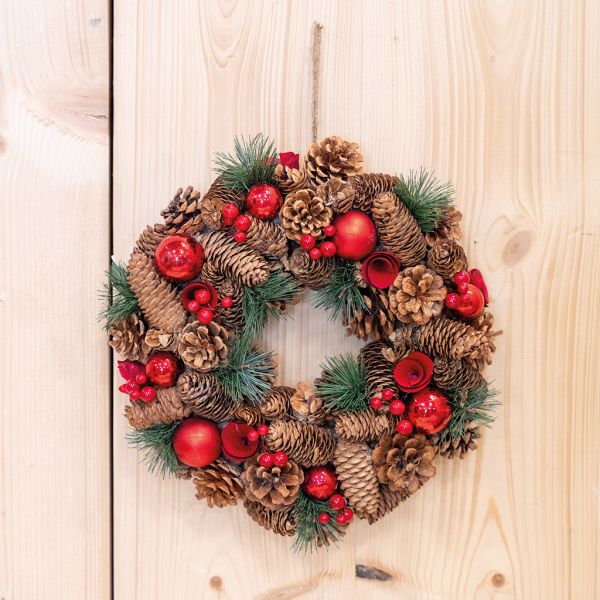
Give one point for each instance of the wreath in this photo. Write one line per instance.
(383, 254)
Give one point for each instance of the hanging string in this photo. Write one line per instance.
(316, 75)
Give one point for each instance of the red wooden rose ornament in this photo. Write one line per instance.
(414, 372)
(380, 269)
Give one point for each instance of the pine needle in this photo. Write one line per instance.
(252, 162)
(157, 445)
(425, 197)
(342, 385)
(119, 301)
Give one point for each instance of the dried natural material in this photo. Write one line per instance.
(212, 275)
(363, 426)
(160, 340)
(268, 238)
(250, 414)
(455, 374)
(232, 318)
(306, 406)
(214, 200)
(291, 180)
(304, 213)
(333, 157)
(448, 228)
(375, 321)
(204, 396)
(314, 274)
(276, 403)
(379, 370)
(182, 215)
(337, 194)
(219, 483)
(368, 185)
(305, 443)
(203, 347)
(447, 257)
(388, 502)
(458, 446)
(166, 408)
(126, 338)
(280, 521)
(149, 239)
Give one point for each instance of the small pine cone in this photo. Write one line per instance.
(203, 347)
(304, 213)
(306, 406)
(205, 396)
(333, 157)
(276, 403)
(126, 338)
(364, 426)
(268, 238)
(380, 371)
(456, 374)
(357, 477)
(219, 483)
(182, 215)
(447, 257)
(291, 180)
(235, 260)
(389, 501)
(401, 345)
(149, 239)
(484, 322)
(417, 295)
(250, 414)
(211, 275)
(273, 487)
(404, 463)
(306, 443)
(448, 228)
(459, 446)
(397, 229)
(213, 202)
(279, 521)
(157, 297)
(368, 185)
(314, 274)
(160, 340)
(337, 194)
(167, 408)
(232, 318)
(376, 321)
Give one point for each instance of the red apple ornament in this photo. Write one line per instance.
(162, 369)
(237, 446)
(179, 257)
(429, 411)
(320, 483)
(263, 201)
(355, 236)
(197, 442)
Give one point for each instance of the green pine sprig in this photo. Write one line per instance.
(252, 162)
(425, 197)
(308, 528)
(157, 445)
(342, 386)
(341, 296)
(119, 301)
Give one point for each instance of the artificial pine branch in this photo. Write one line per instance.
(425, 197)
(252, 162)
(309, 531)
(119, 300)
(157, 444)
(342, 386)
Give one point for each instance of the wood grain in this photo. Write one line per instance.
(499, 97)
(54, 176)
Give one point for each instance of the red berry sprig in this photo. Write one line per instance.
(136, 389)
(396, 406)
(404, 427)
(266, 460)
(324, 518)
(344, 514)
(229, 212)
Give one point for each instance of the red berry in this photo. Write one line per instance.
(315, 254)
(328, 249)
(140, 378)
(239, 237)
(330, 230)
(226, 301)
(324, 518)
(263, 429)
(376, 403)
(252, 435)
(462, 277)
(280, 459)
(202, 296)
(205, 316)
(463, 287)
(452, 300)
(148, 393)
(308, 241)
(135, 394)
(230, 211)
(337, 502)
(387, 394)
(397, 407)
(193, 306)
(404, 427)
(341, 519)
(130, 386)
(266, 460)
(124, 388)
(347, 513)
(243, 222)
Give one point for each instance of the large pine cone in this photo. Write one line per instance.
(368, 185)
(276, 403)
(272, 487)
(306, 443)
(404, 463)
(417, 295)
(306, 406)
(182, 215)
(213, 275)
(446, 257)
(333, 157)
(304, 213)
(376, 321)
(268, 238)
(205, 396)
(214, 200)
(337, 194)
(149, 239)
(233, 317)
(127, 338)
(456, 374)
(219, 483)
(314, 274)
(166, 408)
(388, 502)
(291, 180)
(380, 371)
(203, 347)
(280, 521)
(448, 228)
(363, 426)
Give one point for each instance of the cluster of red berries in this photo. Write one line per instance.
(137, 389)
(462, 280)
(254, 434)
(344, 515)
(309, 243)
(472, 294)
(201, 300)
(231, 216)
(396, 408)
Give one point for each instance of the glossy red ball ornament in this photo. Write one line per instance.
(205, 315)
(162, 369)
(320, 483)
(226, 301)
(429, 411)
(315, 254)
(356, 235)
(472, 302)
(308, 241)
(280, 459)
(253, 435)
(376, 403)
(240, 237)
(324, 518)
(230, 211)
(397, 407)
(263, 201)
(404, 427)
(263, 429)
(266, 460)
(236, 444)
(330, 230)
(337, 502)
(179, 257)
(328, 249)
(387, 394)
(452, 300)
(243, 222)
(148, 393)
(197, 442)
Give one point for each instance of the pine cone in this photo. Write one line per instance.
(389, 501)
(126, 338)
(306, 443)
(364, 426)
(368, 185)
(272, 487)
(236, 260)
(304, 213)
(182, 215)
(397, 229)
(250, 414)
(459, 446)
(212, 275)
(280, 521)
(484, 323)
(337, 194)
(214, 200)
(156, 296)
(268, 238)
(448, 228)
(357, 478)
(291, 180)
(203, 347)
(401, 345)
(149, 239)
(404, 463)
(456, 374)
(380, 371)
(205, 396)
(376, 321)
(333, 157)
(417, 295)
(314, 274)
(160, 340)
(219, 483)
(276, 403)
(232, 318)
(306, 406)
(165, 409)
(446, 257)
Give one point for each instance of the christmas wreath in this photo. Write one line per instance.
(383, 254)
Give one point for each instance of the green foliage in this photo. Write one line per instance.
(426, 197)
(341, 295)
(157, 444)
(308, 529)
(253, 161)
(119, 300)
(342, 385)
